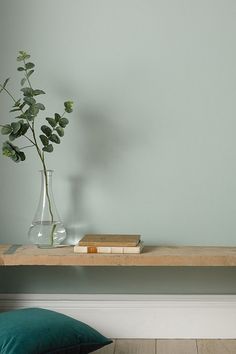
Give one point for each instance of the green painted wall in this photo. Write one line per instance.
(151, 147)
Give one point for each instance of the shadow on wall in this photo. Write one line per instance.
(103, 143)
(75, 222)
(100, 145)
(98, 138)
(104, 140)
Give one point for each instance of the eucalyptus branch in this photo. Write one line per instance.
(41, 155)
(4, 88)
(26, 147)
(29, 139)
(9, 93)
(28, 107)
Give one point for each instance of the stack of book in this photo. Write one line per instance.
(97, 243)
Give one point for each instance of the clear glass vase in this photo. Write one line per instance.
(46, 230)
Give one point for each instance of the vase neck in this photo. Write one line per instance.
(46, 208)
(46, 180)
(48, 173)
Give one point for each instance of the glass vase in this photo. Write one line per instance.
(46, 230)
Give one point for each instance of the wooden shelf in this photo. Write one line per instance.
(25, 255)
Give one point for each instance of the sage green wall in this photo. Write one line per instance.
(151, 146)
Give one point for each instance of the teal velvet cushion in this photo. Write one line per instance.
(38, 331)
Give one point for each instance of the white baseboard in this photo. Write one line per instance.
(140, 316)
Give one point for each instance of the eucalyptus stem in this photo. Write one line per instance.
(29, 139)
(4, 88)
(46, 185)
(48, 198)
(41, 156)
(26, 147)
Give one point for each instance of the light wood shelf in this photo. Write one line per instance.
(25, 255)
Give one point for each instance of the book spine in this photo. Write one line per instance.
(105, 249)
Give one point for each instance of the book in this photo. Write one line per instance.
(110, 240)
(109, 249)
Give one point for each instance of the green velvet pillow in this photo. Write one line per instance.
(38, 331)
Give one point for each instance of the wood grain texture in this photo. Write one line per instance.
(108, 349)
(176, 346)
(151, 256)
(137, 346)
(170, 346)
(216, 346)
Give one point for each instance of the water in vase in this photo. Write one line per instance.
(46, 234)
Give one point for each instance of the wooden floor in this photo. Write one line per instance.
(173, 346)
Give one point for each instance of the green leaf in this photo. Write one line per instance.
(21, 68)
(60, 131)
(57, 117)
(5, 82)
(46, 130)
(21, 155)
(30, 101)
(22, 81)
(68, 106)
(21, 116)
(54, 138)
(6, 129)
(30, 117)
(24, 115)
(13, 152)
(29, 65)
(24, 128)
(15, 127)
(15, 158)
(33, 110)
(38, 92)
(15, 130)
(40, 106)
(13, 136)
(17, 103)
(48, 148)
(68, 110)
(22, 105)
(51, 121)
(63, 122)
(27, 91)
(7, 149)
(29, 73)
(23, 56)
(44, 140)
(15, 110)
